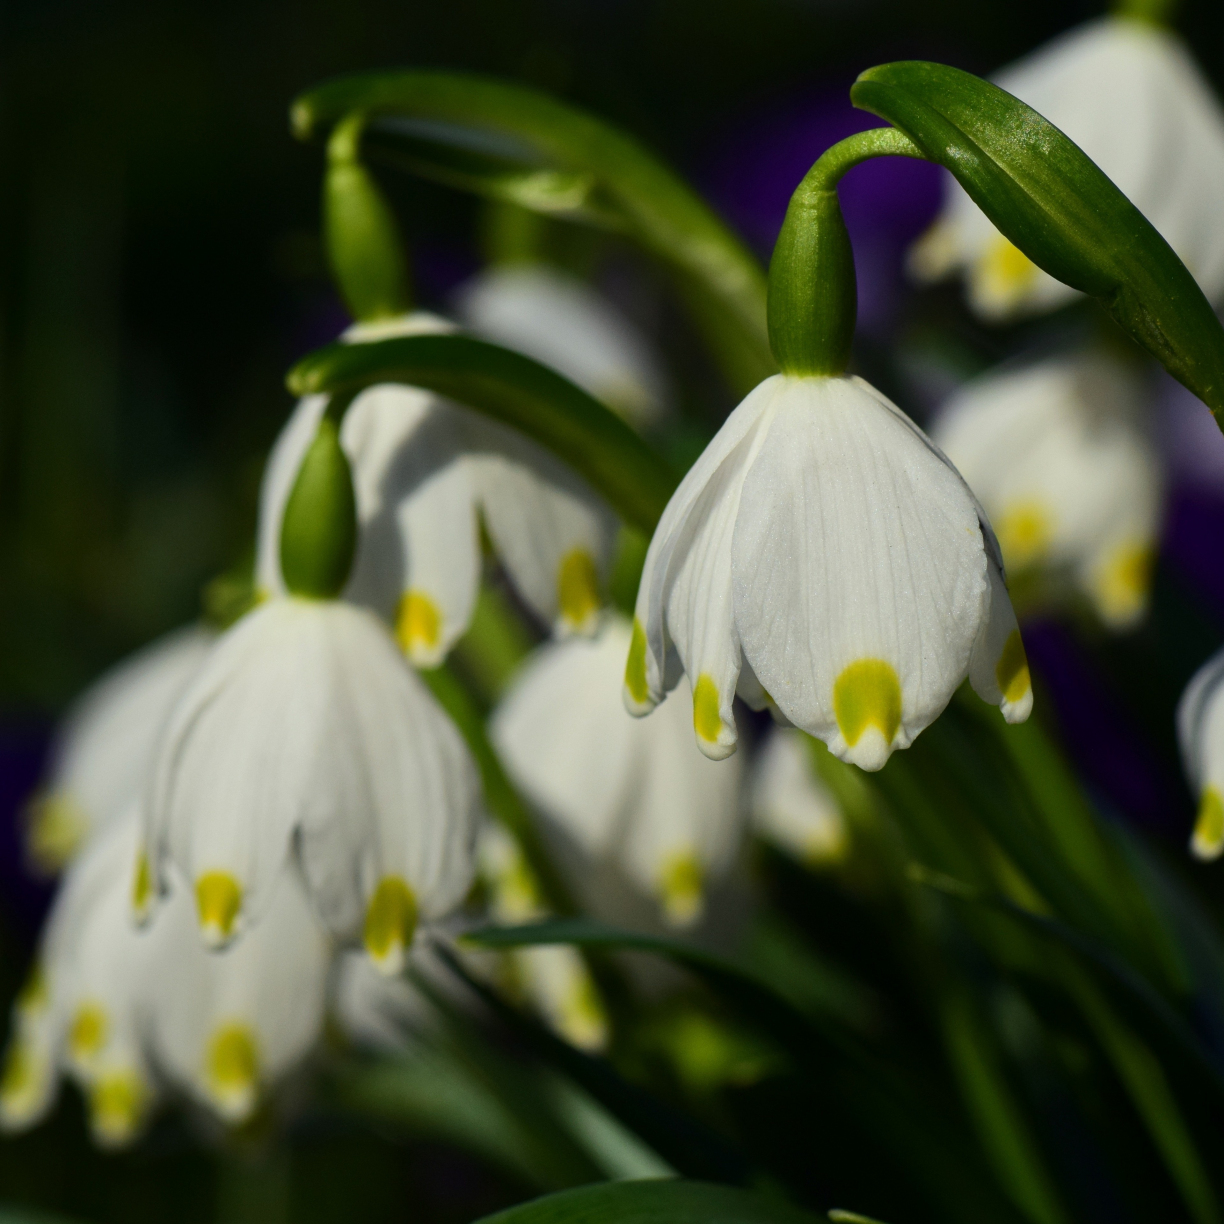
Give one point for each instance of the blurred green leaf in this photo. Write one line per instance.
(1052, 201)
(652, 1202)
(516, 144)
(515, 390)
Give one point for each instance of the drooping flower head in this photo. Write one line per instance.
(1131, 96)
(103, 749)
(1058, 454)
(633, 794)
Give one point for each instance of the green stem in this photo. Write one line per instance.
(812, 295)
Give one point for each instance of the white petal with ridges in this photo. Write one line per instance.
(791, 806)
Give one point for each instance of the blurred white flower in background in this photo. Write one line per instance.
(1059, 454)
(1131, 96)
(791, 806)
(823, 556)
(1200, 733)
(562, 322)
(306, 734)
(427, 474)
(104, 746)
(634, 795)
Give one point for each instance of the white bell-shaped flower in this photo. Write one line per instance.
(226, 1026)
(426, 473)
(103, 750)
(791, 806)
(373, 1011)
(307, 733)
(562, 322)
(554, 978)
(87, 1011)
(823, 555)
(1057, 453)
(635, 794)
(1200, 733)
(1131, 96)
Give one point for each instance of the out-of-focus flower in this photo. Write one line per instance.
(307, 733)
(554, 979)
(561, 321)
(1058, 455)
(823, 555)
(84, 1010)
(226, 1027)
(426, 473)
(1130, 95)
(1200, 731)
(631, 793)
(791, 806)
(102, 753)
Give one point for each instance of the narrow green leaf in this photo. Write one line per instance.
(516, 144)
(1049, 198)
(513, 389)
(652, 1202)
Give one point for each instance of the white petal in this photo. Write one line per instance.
(791, 806)
(859, 569)
(998, 668)
(104, 750)
(553, 535)
(560, 321)
(1200, 732)
(374, 1011)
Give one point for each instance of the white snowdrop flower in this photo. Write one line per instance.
(823, 554)
(562, 322)
(1131, 96)
(102, 752)
(632, 793)
(426, 472)
(226, 1027)
(374, 1011)
(554, 979)
(1200, 732)
(791, 806)
(89, 1006)
(307, 733)
(1057, 453)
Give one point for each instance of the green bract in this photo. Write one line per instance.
(319, 529)
(512, 388)
(1051, 200)
(512, 143)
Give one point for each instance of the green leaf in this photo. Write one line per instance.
(513, 389)
(1052, 201)
(652, 1202)
(513, 143)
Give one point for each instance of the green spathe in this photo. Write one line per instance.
(364, 247)
(1052, 201)
(319, 528)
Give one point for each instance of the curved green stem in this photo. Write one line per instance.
(812, 295)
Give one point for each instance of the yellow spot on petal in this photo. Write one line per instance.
(22, 1082)
(707, 721)
(1012, 671)
(1001, 277)
(1121, 582)
(635, 666)
(418, 626)
(142, 885)
(682, 886)
(1208, 839)
(577, 590)
(232, 1070)
(117, 1103)
(390, 921)
(218, 902)
(57, 827)
(867, 694)
(1024, 530)
(34, 995)
(88, 1032)
(583, 1022)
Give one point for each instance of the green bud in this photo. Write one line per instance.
(319, 528)
(812, 293)
(364, 247)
